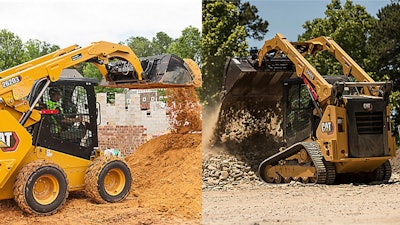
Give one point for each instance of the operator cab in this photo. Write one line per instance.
(69, 121)
(300, 119)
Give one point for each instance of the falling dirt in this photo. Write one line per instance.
(183, 110)
(248, 128)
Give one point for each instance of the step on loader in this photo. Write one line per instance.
(48, 128)
(303, 126)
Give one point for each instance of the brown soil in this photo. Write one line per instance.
(167, 175)
(166, 189)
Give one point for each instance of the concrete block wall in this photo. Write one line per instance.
(125, 126)
(154, 119)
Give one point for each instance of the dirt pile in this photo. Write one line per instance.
(184, 110)
(166, 175)
(166, 170)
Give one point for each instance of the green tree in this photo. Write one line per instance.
(160, 43)
(226, 25)
(384, 43)
(384, 51)
(144, 47)
(35, 48)
(188, 45)
(349, 26)
(222, 37)
(255, 26)
(11, 50)
(141, 46)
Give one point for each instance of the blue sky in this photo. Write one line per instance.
(288, 16)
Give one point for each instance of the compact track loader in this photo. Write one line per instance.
(308, 127)
(48, 149)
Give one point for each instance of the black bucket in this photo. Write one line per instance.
(251, 116)
(160, 71)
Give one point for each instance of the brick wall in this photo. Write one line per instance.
(123, 138)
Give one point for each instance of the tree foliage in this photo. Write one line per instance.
(255, 26)
(226, 24)
(160, 43)
(384, 49)
(384, 43)
(35, 48)
(188, 45)
(144, 47)
(141, 46)
(349, 25)
(14, 52)
(11, 50)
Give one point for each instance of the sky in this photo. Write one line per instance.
(68, 22)
(288, 16)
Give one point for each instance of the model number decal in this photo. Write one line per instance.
(76, 57)
(326, 127)
(311, 75)
(11, 81)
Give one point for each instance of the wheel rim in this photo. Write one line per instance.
(114, 182)
(46, 189)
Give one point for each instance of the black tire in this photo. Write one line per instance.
(41, 187)
(108, 179)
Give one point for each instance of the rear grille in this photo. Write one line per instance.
(369, 122)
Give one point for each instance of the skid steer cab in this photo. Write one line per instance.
(41, 164)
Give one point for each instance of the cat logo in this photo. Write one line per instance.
(8, 141)
(326, 127)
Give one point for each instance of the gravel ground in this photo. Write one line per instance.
(233, 194)
(304, 204)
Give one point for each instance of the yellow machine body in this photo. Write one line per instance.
(22, 91)
(278, 105)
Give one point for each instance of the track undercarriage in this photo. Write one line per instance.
(303, 162)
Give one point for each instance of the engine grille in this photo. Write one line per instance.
(369, 122)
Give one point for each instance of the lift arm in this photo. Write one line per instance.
(17, 82)
(350, 67)
(320, 89)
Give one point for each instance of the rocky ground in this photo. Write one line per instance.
(233, 194)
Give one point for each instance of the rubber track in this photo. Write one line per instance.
(388, 172)
(325, 170)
